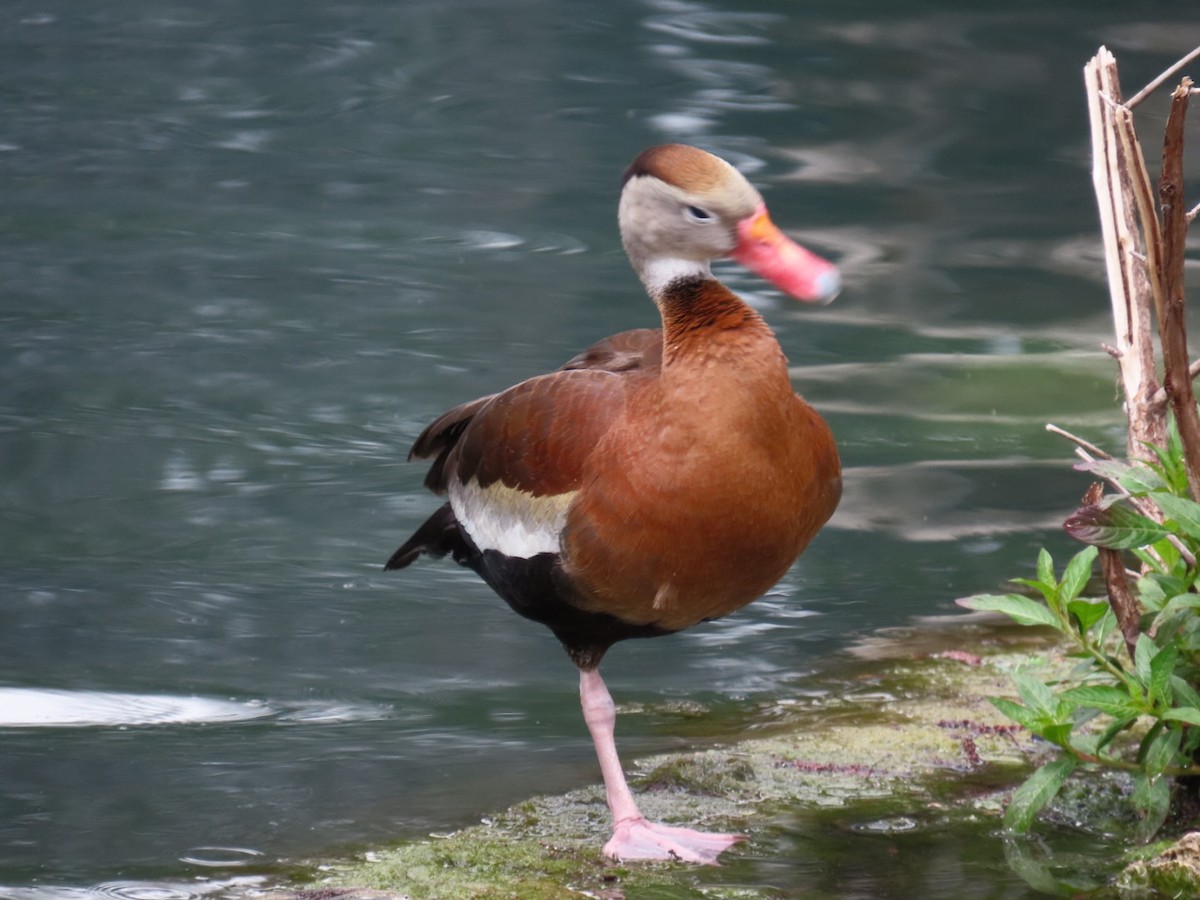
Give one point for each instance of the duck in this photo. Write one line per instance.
(660, 479)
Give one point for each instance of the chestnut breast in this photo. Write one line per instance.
(707, 489)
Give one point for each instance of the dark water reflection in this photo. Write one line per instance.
(250, 249)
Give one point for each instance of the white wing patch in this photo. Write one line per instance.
(509, 521)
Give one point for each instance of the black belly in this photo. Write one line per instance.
(536, 588)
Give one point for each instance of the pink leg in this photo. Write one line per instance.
(634, 837)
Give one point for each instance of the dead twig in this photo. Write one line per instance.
(1130, 289)
(1121, 599)
(1161, 79)
(1095, 451)
(1172, 323)
(1160, 397)
(1144, 239)
(1124, 604)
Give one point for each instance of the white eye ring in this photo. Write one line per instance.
(698, 215)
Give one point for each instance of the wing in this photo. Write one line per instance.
(512, 462)
(535, 437)
(640, 348)
(536, 402)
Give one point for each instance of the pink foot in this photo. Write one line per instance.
(639, 839)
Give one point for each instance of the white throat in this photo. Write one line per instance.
(657, 273)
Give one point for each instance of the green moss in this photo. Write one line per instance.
(477, 864)
(894, 741)
(1175, 872)
(711, 774)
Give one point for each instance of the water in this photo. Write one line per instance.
(251, 249)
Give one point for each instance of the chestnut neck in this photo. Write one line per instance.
(698, 313)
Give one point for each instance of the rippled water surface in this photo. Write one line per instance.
(250, 249)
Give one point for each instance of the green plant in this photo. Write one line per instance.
(1137, 682)
(1131, 701)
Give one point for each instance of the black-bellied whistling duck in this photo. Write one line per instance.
(660, 478)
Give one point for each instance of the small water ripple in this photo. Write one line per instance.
(143, 890)
(132, 890)
(220, 857)
(698, 24)
(894, 825)
(57, 708)
(490, 239)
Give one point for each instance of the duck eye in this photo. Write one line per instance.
(696, 214)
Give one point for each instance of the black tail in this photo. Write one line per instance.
(439, 536)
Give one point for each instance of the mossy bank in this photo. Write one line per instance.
(900, 742)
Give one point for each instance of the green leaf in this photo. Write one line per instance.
(1049, 591)
(1109, 469)
(1029, 861)
(1135, 478)
(1109, 700)
(1086, 744)
(1087, 612)
(1076, 575)
(1037, 696)
(1141, 480)
(1188, 714)
(1058, 733)
(1162, 667)
(1021, 609)
(1106, 626)
(1184, 512)
(1117, 527)
(1169, 554)
(1161, 750)
(1179, 603)
(1152, 799)
(1113, 730)
(1185, 695)
(1170, 461)
(1151, 593)
(1045, 568)
(1031, 797)
(1026, 718)
(1143, 651)
(1175, 631)
(1150, 561)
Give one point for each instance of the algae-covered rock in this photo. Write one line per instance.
(897, 748)
(1175, 872)
(902, 741)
